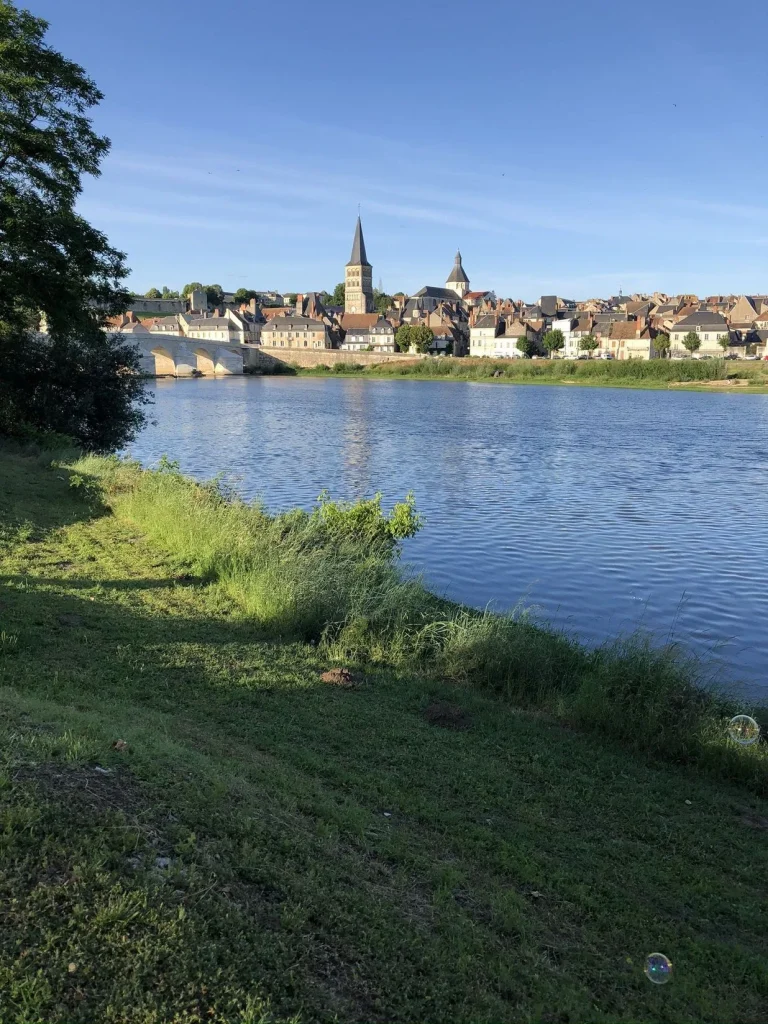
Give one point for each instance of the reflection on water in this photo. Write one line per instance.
(608, 509)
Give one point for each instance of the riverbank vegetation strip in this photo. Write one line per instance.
(609, 372)
(487, 821)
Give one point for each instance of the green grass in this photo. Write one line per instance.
(656, 373)
(271, 848)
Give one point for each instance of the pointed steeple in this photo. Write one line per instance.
(358, 257)
(457, 275)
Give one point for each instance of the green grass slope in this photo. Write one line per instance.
(271, 848)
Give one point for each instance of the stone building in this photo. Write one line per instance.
(358, 277)
(295, 332)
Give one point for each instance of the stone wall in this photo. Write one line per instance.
(257, 357)
(163, 307)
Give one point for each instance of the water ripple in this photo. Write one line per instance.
(607, 509)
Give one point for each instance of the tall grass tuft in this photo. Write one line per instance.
(332, 576)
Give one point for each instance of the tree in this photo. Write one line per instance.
(168, 294)
(214, 294)
(339, 294)
(553, 341)
(422, 338)
(588, 344)
(724, 342)
(74, 378)
(403, 338)
(290, 298)
(524, 346)
(243, 295)
(153, 293)
(662, 344)
(692, 342)
(194, 286)
(326, 298)
(381, 301)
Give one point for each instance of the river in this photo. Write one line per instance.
(604, 509)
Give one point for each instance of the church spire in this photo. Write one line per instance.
(358, 277)
(358, 257)
(457, 279)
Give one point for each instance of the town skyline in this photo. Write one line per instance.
(551, 172)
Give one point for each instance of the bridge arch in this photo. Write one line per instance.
(164, 363)
(205, 363)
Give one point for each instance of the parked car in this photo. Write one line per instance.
(582, 355)
(705, 356)
(751, 359)
(606, 355)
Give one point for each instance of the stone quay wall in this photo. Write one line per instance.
(258, 357)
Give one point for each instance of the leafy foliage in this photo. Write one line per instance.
(422, 337)
(553, 341)
(381, 301)
(215, 294)
(153, 293)
(56, 270)
(339, 294)
(724, 342)
(588, 343)
(524, 345)
(692, 342)
(662, 343)
(193, 286)
(403, 337)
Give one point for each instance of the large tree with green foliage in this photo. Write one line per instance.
(193, 286)
(524, 346)
(422, 337)
(215, 294)
(692, 342)
(381, 301)
(56, 270)
(588, 344)
(724, 341)
(403, 338)
(339, 294)
(153, 293)
(245, 295)
(662, 344)
(553, 341)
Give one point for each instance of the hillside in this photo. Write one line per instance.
(196, 827)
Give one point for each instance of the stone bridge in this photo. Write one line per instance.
(173, 356)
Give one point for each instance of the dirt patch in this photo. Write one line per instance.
(87, 786)
(447, 716)
(71, 620)
(340, 677)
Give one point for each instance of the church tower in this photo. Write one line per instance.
(358, 277)
(457, 280)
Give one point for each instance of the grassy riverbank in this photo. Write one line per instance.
(494, 824)
(707, 374)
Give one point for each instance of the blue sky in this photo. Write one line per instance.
(569, 148)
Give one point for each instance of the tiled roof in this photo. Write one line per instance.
(291, 323)
(702, 319)
(625, 329)
(350, 321)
